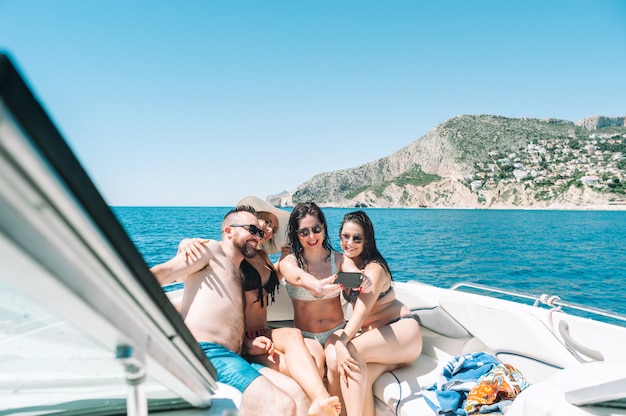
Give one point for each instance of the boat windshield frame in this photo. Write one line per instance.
(70, 266)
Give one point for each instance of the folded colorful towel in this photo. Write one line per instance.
(504, 382)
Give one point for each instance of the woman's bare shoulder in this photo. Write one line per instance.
(376, 268)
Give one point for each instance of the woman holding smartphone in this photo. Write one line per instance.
(381, 335)
(309, 272)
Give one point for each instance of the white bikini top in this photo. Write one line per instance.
(300, 293)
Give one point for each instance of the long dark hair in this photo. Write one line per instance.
(370, 251)
(301, 210)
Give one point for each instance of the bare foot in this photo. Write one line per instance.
(327, 406)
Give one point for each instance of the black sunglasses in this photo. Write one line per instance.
(356, 239)
(251, 228)
(304, 232)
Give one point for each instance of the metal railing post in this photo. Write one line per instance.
(135, 369)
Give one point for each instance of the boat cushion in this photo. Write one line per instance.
(438, 320)
(428, 312)
(401, 390)
(516, 336)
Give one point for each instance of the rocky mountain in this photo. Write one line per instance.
(598, 122)
(486, 161)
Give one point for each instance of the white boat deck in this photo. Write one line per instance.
(528, 337)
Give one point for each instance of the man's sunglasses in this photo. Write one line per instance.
(251, 228)
(304, 232)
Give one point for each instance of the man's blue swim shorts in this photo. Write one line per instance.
(231, 368)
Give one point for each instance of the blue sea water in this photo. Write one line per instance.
(577, 255)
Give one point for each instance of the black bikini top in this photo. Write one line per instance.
(353, 295)
(252, 281)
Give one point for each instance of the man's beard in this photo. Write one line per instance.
(248, 252)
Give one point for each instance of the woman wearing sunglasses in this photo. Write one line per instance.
(309, 272)
(389, 336)
(280, 349)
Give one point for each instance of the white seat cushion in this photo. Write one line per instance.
(402, 388)
(514, 335)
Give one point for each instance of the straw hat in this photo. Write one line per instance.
(280, 234)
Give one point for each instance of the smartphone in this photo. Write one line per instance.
(349, 279)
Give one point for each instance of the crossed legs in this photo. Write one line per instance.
(376, 351)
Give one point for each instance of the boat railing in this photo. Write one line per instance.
(553, 302)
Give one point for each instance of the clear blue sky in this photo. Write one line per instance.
(204, 102)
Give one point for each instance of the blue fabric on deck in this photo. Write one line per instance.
(459, 375)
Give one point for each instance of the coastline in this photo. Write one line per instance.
(595, 207)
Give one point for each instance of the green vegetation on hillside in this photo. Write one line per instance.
(416, 177)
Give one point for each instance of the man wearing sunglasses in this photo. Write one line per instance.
(252, 229)
(213, 290)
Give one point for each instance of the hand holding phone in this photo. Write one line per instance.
(349, 280)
